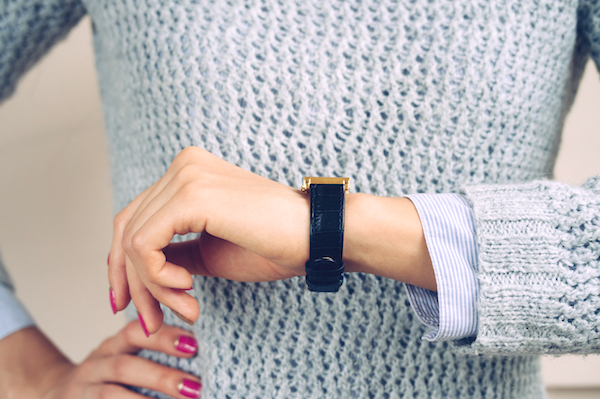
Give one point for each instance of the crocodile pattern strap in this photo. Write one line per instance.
(325, 268)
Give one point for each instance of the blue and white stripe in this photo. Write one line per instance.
(449, 228)
(13, 315)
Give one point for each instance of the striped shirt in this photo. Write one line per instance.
(449, 228)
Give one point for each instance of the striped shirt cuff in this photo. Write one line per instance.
(449, 228)
(13, 316)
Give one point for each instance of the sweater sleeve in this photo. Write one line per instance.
(539, 255)
(27, 31)
(588, 26)
(539, 268)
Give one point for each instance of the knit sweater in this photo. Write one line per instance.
(404, 97)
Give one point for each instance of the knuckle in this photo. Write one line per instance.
(126, 241)
(120, 221)
(120, 365)
(107, 391)
(191, 151)
(186, 155)
(130, 332)
(191, 190)
(165, 379)
(138, 242)
(189, 172)
(85, 368)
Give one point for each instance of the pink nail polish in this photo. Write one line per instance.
(113, 301)
(108, 260)
(189, 388)
(141, 319)
(186, 344)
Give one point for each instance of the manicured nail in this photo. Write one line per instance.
(189, 388)
(186, 344)
(108, 260)
(182, 317)
(141, 319)
(113, 301)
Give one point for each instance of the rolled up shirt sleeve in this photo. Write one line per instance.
(13, 315)
(449, 228)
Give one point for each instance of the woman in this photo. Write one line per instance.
(405, 98)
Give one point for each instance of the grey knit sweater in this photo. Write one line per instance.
(404, 96)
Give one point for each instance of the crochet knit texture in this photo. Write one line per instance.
(403, 96)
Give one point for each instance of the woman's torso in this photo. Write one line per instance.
(403, 96)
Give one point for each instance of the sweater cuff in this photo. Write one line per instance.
(538, 268)
(449, 230)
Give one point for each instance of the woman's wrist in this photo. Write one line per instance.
(384, 236)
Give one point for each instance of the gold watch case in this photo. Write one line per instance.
(308, 180)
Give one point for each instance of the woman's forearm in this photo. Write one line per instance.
(384, 236)
(252, 229)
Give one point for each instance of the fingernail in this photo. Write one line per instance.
(189, 388)
(182, 317)
(113, 301)
(141, 319)
(108, 260)
(186, 344)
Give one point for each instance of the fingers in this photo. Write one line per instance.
(125, 242)
(144, 239)
(143, 373)
(147, 296)
(116, 264)
(149, 311)
(113, 363)
(165, 281)
(117, 276)
(171, 340)
(110, 391)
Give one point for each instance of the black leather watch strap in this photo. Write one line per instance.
(325, 268)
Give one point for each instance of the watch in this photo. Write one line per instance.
(325, 267)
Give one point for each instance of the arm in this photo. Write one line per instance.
(32, 367)
(257, 230)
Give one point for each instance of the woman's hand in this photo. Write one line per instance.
(33, 368)
(253, 229)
